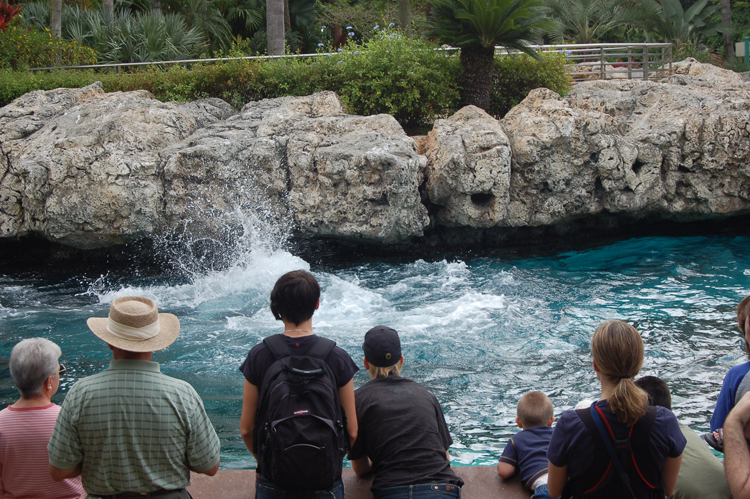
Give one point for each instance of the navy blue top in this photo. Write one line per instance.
(571, 443)
(726, 401)
(527, 451)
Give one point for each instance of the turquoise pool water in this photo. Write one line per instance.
(478, 332)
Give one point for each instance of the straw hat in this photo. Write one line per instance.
(135, 324)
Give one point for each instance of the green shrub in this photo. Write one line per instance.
(517, 75)
(22, 48)
(393, 74)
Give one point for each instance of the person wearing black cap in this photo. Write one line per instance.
(402, 438)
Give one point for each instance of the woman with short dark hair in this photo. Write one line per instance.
(26, 426)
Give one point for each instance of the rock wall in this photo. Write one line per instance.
(89, 169)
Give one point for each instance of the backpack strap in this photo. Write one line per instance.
(640, 447)
(277, 346)
(321, 348)
(597, 416)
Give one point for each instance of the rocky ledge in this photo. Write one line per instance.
(90, 169)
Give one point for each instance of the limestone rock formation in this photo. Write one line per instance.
(468, 169)
(81, 166)
(89, 169)
(630, 148)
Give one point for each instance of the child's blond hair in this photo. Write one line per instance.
(534, 409)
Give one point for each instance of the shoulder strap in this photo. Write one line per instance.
(277, 346)
(640, 437)
(321, 348)
(610, 448)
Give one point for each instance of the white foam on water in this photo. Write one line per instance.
(256, 274)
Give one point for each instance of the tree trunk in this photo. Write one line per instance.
(287, 18)
(726, 18)
(275, 26)
(108, 8)
(478, 64)
(404, 16)
(55, 18)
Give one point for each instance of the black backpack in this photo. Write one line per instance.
(300, 428)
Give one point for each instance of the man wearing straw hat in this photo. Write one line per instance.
(131, 431)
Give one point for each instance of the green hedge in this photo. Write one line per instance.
(403, 77)
(517, 75)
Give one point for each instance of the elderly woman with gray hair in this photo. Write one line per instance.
(26, 426)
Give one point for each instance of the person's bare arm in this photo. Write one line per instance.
(346, 397)
(505, 470)
(250, 397)
(556, 479)
(59, 475)
(736, 454)
(669, 473)
(362, 466)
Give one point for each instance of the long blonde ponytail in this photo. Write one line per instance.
(618, 351)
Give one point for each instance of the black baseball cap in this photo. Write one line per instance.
(382, 347)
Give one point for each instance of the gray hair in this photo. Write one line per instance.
(32, 361)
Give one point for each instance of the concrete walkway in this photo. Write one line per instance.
(482, 482)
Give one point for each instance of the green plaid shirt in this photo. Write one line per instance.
(135, 430)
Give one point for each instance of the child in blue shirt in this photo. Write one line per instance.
(527, 451)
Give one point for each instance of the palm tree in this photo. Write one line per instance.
(669, 21)
(476, 26)
(206, 18)
(726, 18)
(587, 21)
(275, 26)
(56, 18)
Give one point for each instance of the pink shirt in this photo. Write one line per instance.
(24, 462)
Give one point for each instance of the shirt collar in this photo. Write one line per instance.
(139, 365)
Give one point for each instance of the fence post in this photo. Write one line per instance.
(645, 62)
(670, 63)
(662, 64)
(630, 63)
(602, 68)
(747, 49)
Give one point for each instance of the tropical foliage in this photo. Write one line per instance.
(7, 13)
(394, 74)
(127, 37)
(519, 74)
(667, 20)
(587, 21)
(476, 26)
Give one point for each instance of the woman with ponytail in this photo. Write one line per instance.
(646, 441)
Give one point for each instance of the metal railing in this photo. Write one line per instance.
(588, 61)
(608, 61)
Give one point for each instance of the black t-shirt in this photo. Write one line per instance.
(260, 358)
(403, 432)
